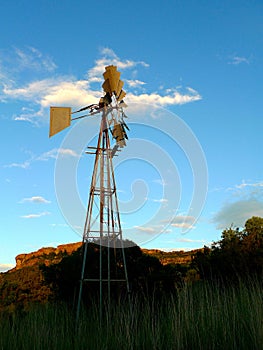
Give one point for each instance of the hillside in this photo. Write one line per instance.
(173, 257)
(24, 284)
(46, 256)
(51, 255)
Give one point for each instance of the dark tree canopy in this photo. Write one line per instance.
(146, 274)
(238, 254)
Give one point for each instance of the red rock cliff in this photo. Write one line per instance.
(46, 255)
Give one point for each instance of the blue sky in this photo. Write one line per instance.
(199, 62)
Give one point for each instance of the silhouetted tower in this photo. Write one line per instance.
(102, 224)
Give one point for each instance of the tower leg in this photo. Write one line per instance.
(103, 220)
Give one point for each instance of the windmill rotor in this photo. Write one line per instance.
(111, 104)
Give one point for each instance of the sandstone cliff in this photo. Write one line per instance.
(47, 256)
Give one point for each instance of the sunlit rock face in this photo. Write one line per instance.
(47, 256)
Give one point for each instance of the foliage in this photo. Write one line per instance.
(238, 254)
(21, 288)
(199, 316)
(146, 274)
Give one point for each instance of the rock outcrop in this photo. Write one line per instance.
(51, 255)
(47, 256)
(173, 257)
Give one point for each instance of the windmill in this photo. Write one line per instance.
(102, 224)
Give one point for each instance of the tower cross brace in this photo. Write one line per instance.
(102, 224)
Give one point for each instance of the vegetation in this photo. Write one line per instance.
(22, 288)
(146, 273)
(199, 316)
(239, 254)
(212, 301)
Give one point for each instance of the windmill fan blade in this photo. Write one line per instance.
(112, 83)
(106, 87)
(113, 76)
(107, 99)
(121, 95)
(119, 87)
(125, 125)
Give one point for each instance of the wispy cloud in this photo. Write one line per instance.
(189, 240)
(59, 225)
(135, 83)
(247, 189)
(35, 199)
(23, 165)
(182, 225)
(109, 57)
(160, 182)
(145, 229)
(34, 59)
(161, 200)
(52, 154)
(35, 216)
(238, 60)
(245, 184)
(26, 58)
(181, 221)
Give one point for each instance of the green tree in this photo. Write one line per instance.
(238, 253)
(252, 244)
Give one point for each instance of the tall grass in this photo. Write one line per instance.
(200, 316)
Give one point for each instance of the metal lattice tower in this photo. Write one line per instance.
(103, 219)
(102, 224)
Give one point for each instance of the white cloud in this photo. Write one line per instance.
(181, 221)
(174, 98)
(135, 83)
(145, 229)
(162, 200)
(6, 267)
(23, 165)
(247, 189)
(69, 91)
(67, 152)
(35, 199)
(182, 225)
(30, 91)
(33, 59)
(109, 57)
(29, 59)
(238, 60)
(52, 154)
(34, 216)
(247, 184)
(153, 229)
(188, 240)
(59, 225)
